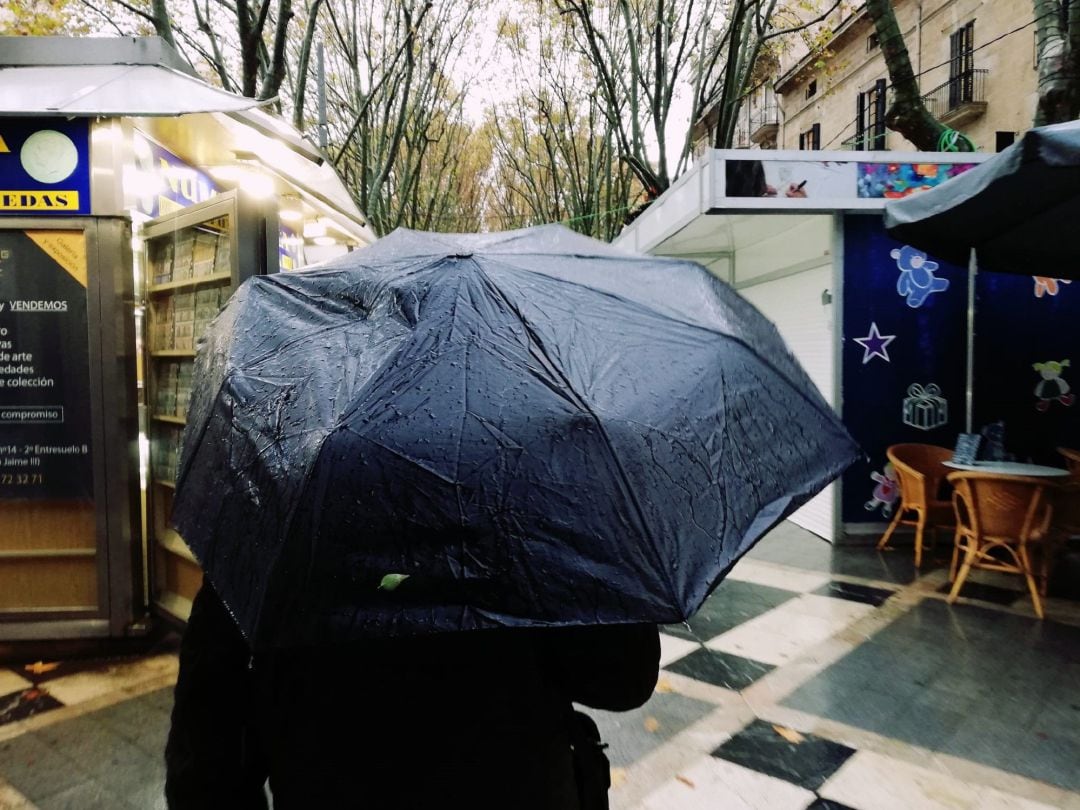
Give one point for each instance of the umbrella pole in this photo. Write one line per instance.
(969, 399)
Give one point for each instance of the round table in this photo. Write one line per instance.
(1010, 468)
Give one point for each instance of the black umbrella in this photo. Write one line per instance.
(1018, 210)
(460, 432)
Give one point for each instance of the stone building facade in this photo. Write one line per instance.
(976, 66)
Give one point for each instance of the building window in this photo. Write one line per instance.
(870, 118)
(962, 66)
(872, 42)
(811, 89)
(811, 139)
(1003, 140)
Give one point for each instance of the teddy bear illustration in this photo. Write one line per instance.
(1052, 386)
(917, 280)
(1045, 285)
(886, 491)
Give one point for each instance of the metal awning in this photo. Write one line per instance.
(98, 77)
(110, 90)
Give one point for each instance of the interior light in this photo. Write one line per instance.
(139, 183)
(227, 173)
(142, 148)
(291, 215)
(249, 178)
(314, 229)
(255, 183)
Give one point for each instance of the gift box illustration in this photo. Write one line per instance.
(925, 408)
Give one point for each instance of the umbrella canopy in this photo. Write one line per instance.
(463, 432)
(1018, 210)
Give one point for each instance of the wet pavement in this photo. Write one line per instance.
(814, 677)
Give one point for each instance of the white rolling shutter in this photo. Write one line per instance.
(794, 304)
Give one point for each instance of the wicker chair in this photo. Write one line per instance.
(920, 473)
(1072, 461)
(1066, 500)
(1001, 522)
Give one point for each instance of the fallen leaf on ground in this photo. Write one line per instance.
(618, 776)
(789, 734)
(685, 780)
(651, 724)
(40, 667)
(663, 686)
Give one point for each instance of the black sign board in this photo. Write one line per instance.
(44, 366)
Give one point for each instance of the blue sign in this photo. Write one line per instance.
(290, 248)
(44, 167)
(174, 184)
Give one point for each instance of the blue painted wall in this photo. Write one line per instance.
(928, 348)
(1021, 321)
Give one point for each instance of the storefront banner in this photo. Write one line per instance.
(835, 181)
(45, 437)
(790, 178)
(892, 181)
(44, 167)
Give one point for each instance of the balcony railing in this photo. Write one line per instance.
(960, 99)
(765, 122)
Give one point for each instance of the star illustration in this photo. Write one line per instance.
(874, 344)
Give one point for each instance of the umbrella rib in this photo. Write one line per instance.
(647, 309)
(581, 402)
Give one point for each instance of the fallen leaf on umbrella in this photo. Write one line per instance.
(685, 780)
(789, 734)
(391, 581)
(663, 686)
(618, 776)
(40, 667)
(651, 724)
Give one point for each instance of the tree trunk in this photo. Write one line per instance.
(302, 64)
(275, 72)
(907, 114)
(162, 22)
(731, 99)
(1059, 78)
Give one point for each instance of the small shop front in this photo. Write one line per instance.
(907, 347)
(134, 198)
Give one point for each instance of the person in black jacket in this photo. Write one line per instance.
(478, 720)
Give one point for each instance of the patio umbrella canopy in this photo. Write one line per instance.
(462, 432)
(1018, 210)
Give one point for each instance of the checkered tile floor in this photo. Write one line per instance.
(814, 677)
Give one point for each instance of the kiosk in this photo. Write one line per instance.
(906, 347)
(134, 198)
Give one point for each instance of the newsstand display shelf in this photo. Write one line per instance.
(193, 261)
(172, 286)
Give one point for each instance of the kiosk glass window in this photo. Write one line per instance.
(189, 278)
